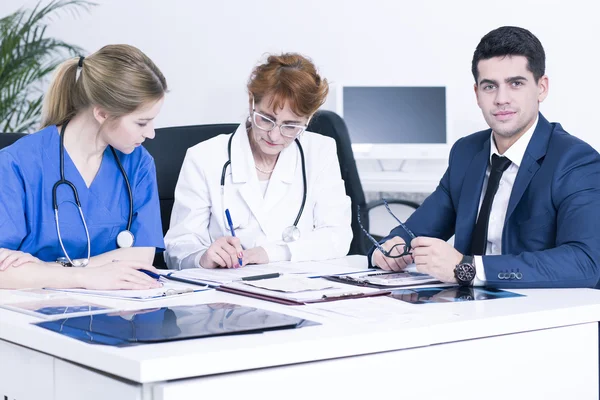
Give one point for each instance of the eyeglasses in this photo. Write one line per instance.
(404, 250)
(267, 124)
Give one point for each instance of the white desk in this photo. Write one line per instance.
(544, 345)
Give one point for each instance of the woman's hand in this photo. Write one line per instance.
(256, 255)
(117, 275)
(225, 252)
(15, 258)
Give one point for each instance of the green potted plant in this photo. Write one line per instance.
(27, 58)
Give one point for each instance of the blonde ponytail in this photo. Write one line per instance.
(58, 101)
(117, 78)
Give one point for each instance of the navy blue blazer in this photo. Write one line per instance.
(552, 228)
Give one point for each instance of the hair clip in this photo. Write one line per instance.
(79, 67)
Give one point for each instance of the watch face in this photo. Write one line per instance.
(464, 273)
(64, 261)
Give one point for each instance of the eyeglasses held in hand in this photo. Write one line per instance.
(402, 249)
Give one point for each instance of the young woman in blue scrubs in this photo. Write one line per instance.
(100, 107)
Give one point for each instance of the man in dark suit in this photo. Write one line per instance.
(521, 198)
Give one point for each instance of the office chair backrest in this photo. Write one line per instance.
(330, 124)
(168, 149)
(6, 139)
(380, 222)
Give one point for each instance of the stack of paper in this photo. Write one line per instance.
(301, 290)
(220, 276)
(291, 284)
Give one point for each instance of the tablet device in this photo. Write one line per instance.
(173, 323)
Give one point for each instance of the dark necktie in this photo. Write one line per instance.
(479, 238)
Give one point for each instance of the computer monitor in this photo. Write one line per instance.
(395, 122)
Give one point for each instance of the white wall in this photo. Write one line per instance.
(206, 49)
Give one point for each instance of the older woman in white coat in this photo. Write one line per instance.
(271, 191)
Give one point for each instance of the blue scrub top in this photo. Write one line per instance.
(29, 169)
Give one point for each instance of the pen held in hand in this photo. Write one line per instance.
(230, 223)
(150, 273)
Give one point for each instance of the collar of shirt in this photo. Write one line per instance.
(515, 152)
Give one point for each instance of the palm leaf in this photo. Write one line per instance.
(27, 58)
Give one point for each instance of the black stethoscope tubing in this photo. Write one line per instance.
(64, 181)
(228, 163)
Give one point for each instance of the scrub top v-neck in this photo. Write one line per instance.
(29, 169)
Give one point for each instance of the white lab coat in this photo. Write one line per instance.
(198, 214)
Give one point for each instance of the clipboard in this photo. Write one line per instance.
(339, 292)
(387, 280)
(168, 289)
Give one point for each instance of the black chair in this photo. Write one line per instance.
(6, 139)
(168, 149)
(330, 124)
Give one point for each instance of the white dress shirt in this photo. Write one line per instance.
(264, 185)
(515, 154)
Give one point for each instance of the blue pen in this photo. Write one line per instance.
(228, 215)
(151, 274)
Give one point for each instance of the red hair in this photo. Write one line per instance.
(292, 78)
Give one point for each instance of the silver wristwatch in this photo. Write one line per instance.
(78, 262)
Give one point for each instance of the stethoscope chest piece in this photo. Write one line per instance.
(290, 234)
(125, 239)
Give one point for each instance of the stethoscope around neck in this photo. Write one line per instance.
(291, 233)
(124, 238)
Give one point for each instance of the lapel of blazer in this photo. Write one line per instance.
(470, 194)
(529, 166)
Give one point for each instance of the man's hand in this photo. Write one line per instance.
(436, 258)
(392, 264)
